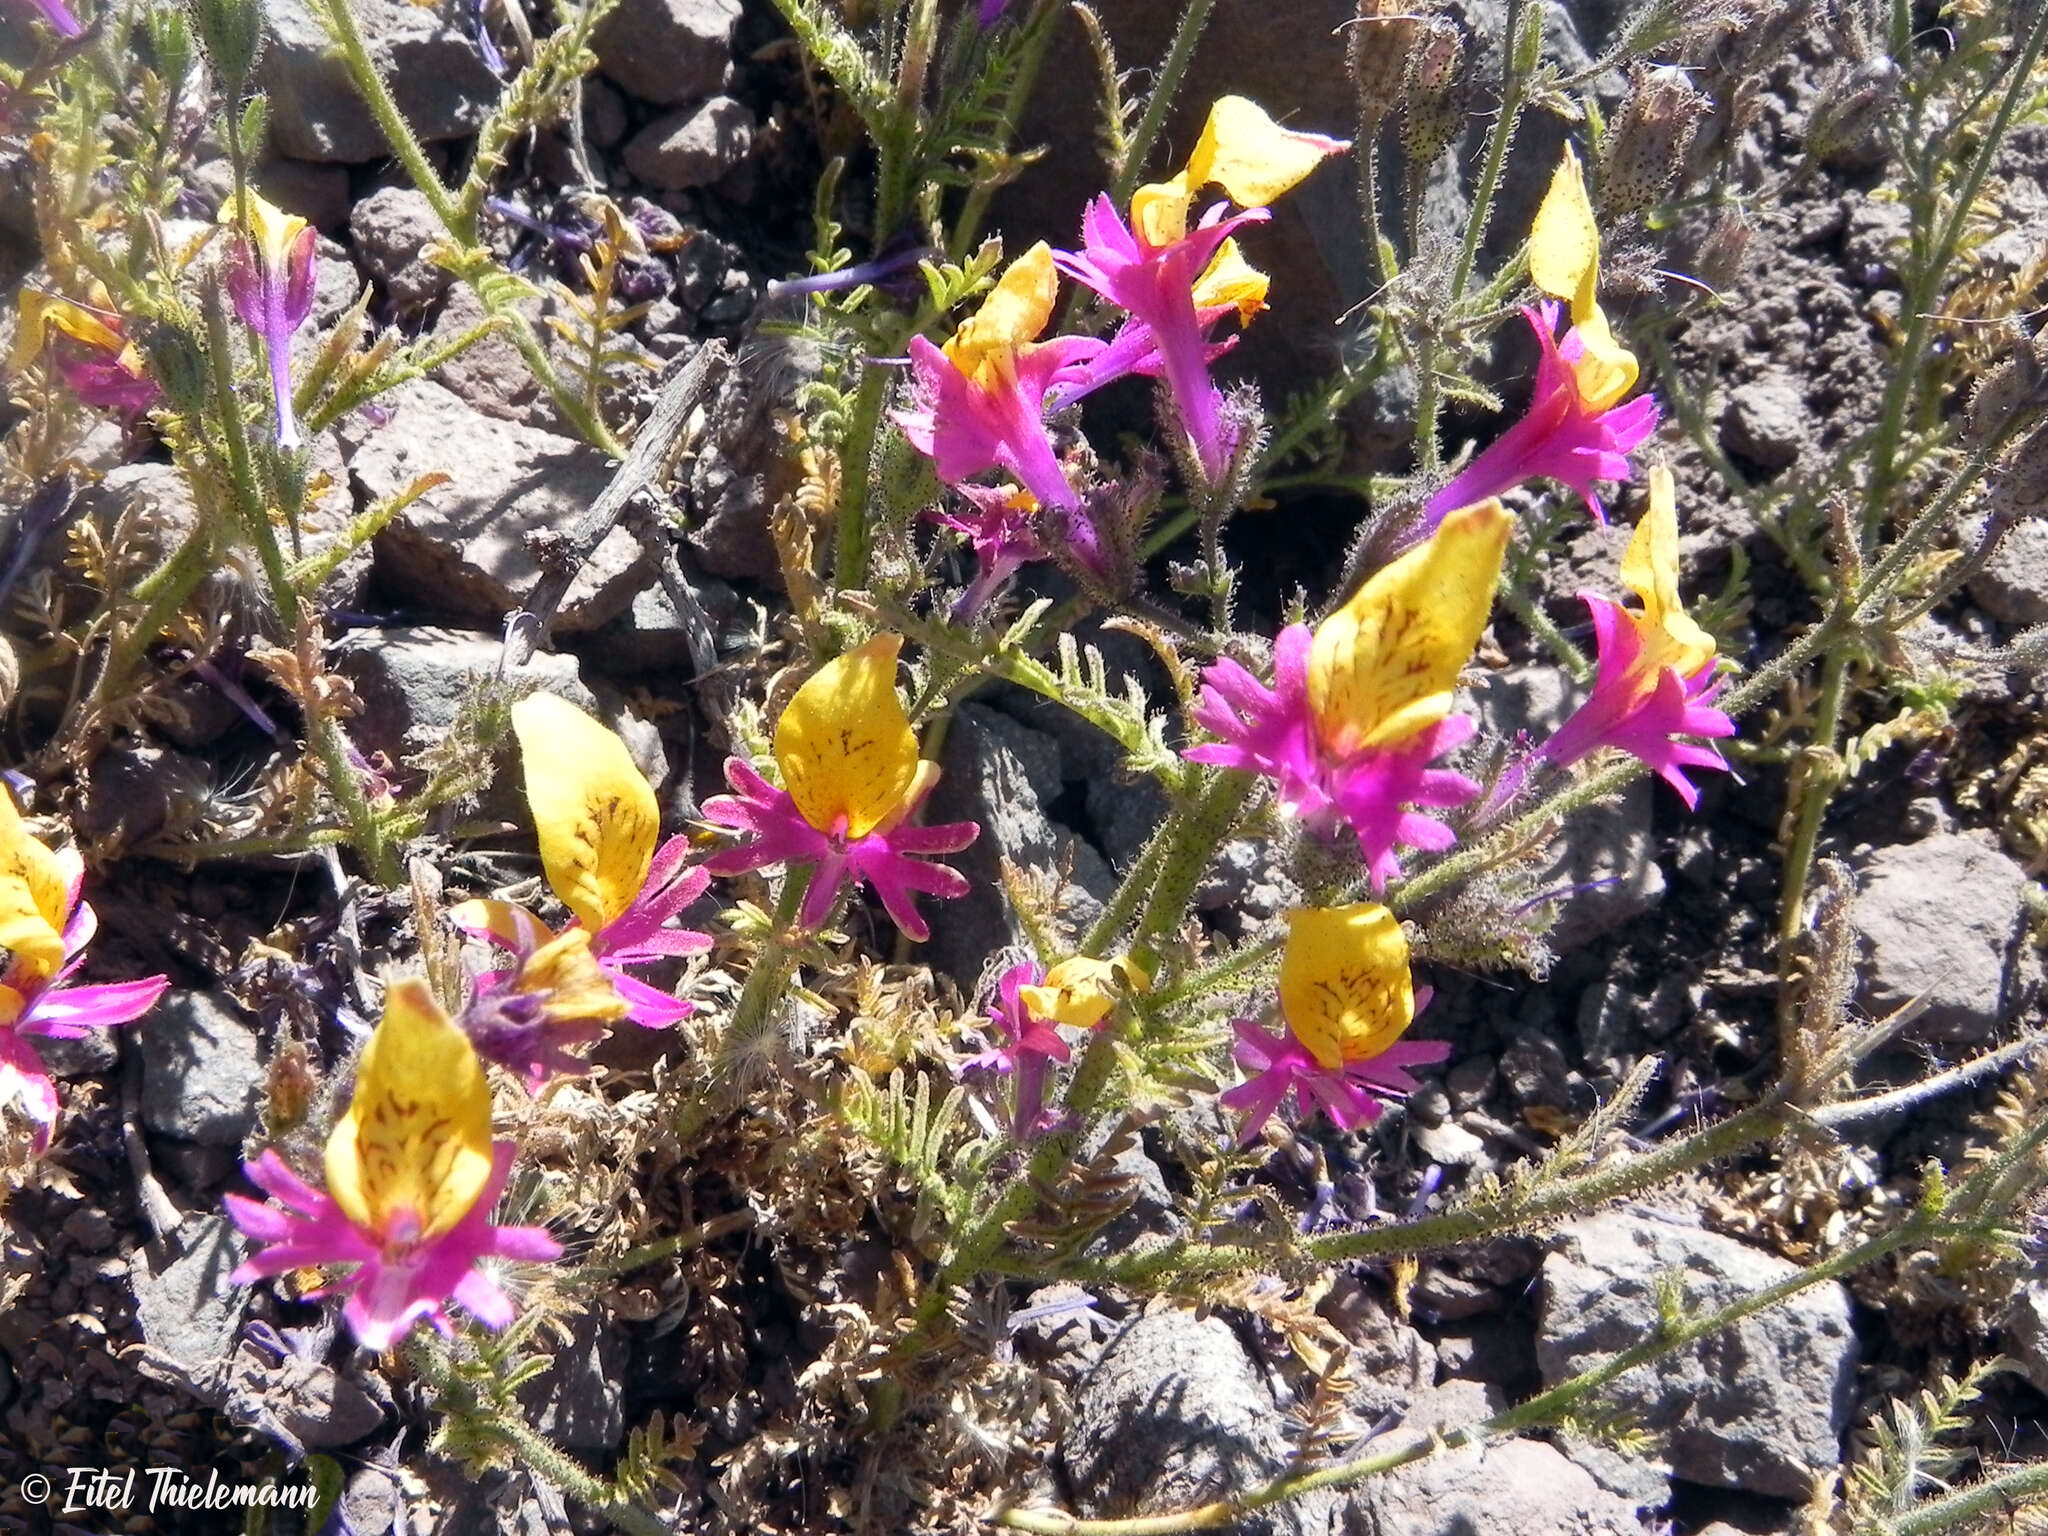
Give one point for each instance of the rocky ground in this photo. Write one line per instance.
(120, 1343)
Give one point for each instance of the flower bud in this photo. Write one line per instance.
(232, 31)
(178, 363)
(1435, 110)
(2010, 396)
(1841, 128)
(1382, 38)
(1645, 147)
(1718, 261)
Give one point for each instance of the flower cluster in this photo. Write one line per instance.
(87, 347)
(1031, 1009)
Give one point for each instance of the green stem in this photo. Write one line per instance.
(1203, 827)
(165, 591)
(1038, 38)
(856, 464)
(1498, 138)
(1813, 784)
(362, 70)
(750, 1015)
(2006, 1493)
(668, 1247)
(1544, 628)
(1166, 85)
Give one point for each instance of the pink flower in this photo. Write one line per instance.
(1346, 997)
(270, 279)
(45, 928)
(1002, 531)
(398, 1280)
(1351, 1094)
(1563, 436)
(980, 400)
(1656, 680)
(412, 1179)
(850, 758)
(59, 16)
(1032, 1044)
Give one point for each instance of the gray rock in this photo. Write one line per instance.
(390, 228)
(653, 637)
(578, 1402)
(1174, 1414)
(412, 681)
(202, 1075)
(1940, 917)
(183, 1301)
(2025, 1334)
(426, 55)
(316, 193)
(692, 148)
(1505, 1488)
(739, 462)
(1000, 775)
(336, 286)
(668, 51)
(1392, 1364)
(462, 547)
(488, 374)
(1760, 1407)
(1605, 856)
(2013, 586)
(1765, 423)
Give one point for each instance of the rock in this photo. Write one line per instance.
(1502, 1488)
(412, 681)
(426, 55)
(202, 1075)
(693, 148)
(1760, 1407)
(1765, 423)
(316, 193)
(668, 51)
(183, 1301)
(741, 468)
(1392, 1364)
(578, 1402)
(1000, 775)
(1940, 917)
(488, 374)
(2013, 587)
(1176, 1414)
(462, 547)
(2025, 1334)
(1605, 857)
(1497, 1350)
(336, 286)
(653, 637)
(390, 228)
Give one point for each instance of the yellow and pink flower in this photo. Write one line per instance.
(270, 275)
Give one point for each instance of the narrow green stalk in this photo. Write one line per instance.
(899, 150)
(1814, 783)
(362, 70)
(1203, 828)
(1122, 905)
(856, 464)
(1038, 38)
(2005, 1494)
(1165, 86)
(1498, 138)
(772, 966)
(668, 1247)
(165, 591)
(534, 1449)
(1544, 628)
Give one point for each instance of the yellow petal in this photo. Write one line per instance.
(847, 752)
(566, 975)
(1230, 279)
(1564, 242)
(1606, 370)
(1383, 666)
(413, 1153)
(1250, 156)
(1649, 568)
(274, 230)
(36, 883)
(1015, 311)
(42, 313)
(592, 808)
(507, 922)
(1159, 211)
(1345, 987)
(1080, 991)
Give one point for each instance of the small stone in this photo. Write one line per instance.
(202, 1074)
(390, 228)
(668, 52)
(1500, 1488)
(2025, 1334)
(488, 374)
(1765, 423)
(693, 148)
(1940, 917)
(425, 54)
(1760, 1406)
(1176, 1414)
(183, 1301)
(2013, 587)
(462, 548)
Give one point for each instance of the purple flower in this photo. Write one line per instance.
(1352, 1094)
(1031, 1044)
(1563, 436)
(59, 16)
(270, 279)
(1002, 532)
